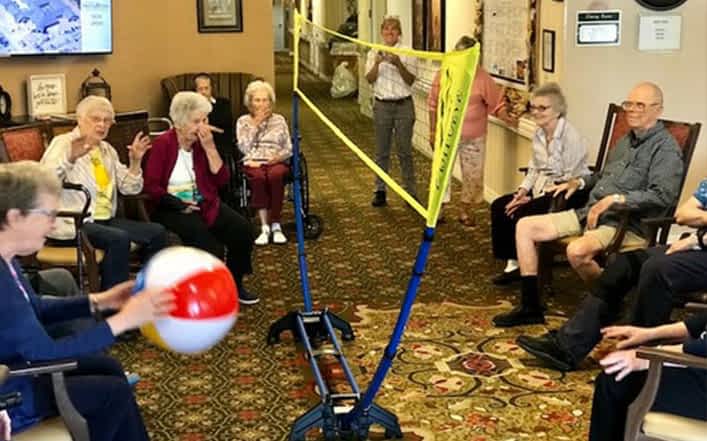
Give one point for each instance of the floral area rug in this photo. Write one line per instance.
(456, 377)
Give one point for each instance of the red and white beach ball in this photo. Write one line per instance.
(206, 299)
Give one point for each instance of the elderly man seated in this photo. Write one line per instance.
(82, 156)
(642, 173)
(221, 115)
(659, 274)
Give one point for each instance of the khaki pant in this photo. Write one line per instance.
(567, 224)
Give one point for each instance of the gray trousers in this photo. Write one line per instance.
(395, 117)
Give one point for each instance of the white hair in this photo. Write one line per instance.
(255, 86)
(92, 103)
(184, 104)
(557, 98)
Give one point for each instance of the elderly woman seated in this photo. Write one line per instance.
(559, 154)
(183, 174)
(264, 139)
(83, 157)
(98, 388)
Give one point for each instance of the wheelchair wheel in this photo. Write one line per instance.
(313, 226)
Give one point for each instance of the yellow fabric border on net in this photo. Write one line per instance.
(456, 76)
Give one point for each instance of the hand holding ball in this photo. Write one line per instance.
(205, 299)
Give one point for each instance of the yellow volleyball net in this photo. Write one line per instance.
(455, 72)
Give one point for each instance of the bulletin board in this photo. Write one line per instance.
(508, 40)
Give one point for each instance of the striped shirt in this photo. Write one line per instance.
(556, 160)
(81, 172)
(390, 84)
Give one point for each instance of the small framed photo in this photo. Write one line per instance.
(548, 55)
(46, 95)
(219, 15)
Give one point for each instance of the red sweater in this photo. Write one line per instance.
(160, 163)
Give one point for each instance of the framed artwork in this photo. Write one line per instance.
(46, 94)
(428, 25)
(548, 50)
(219, 15)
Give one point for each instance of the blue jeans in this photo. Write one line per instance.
(113, 236)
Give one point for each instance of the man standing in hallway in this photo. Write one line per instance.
(393, 111)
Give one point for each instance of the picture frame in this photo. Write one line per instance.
(548, 50)
(219, 16)
(428, 25)
(46, 95)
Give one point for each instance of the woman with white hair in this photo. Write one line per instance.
(183, 174)
(82, 156)
(559, 154)
(264, 140)
(98, 388)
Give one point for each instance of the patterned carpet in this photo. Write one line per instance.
(455, 376)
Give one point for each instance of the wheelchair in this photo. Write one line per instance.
(237, 193)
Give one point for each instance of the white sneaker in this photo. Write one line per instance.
(278, 237)
(264, 237)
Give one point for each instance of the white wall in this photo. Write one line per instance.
(460, 20)
(403, 9)
(595, 76)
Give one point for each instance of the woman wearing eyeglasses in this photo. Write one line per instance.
(98, 388)
(559, 154)
(82, 156)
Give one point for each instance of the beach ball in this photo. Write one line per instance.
(206, 299)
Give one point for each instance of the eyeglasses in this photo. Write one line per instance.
(51, 214)
(637, 106)
(98, 120)
(534, 108)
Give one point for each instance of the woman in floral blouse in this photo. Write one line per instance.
(264, 140)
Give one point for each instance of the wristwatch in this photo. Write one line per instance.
(700, 237)
(616, 198)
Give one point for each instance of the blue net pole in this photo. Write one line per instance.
(301, 255)
(405, 310)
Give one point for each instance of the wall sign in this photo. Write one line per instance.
(599, 28)
(659, 33)
(46, 94)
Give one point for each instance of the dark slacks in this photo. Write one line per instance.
(657, 278)
(681, 391)
(396, 117)
(267, 186)
(230, 230)
(503, 227)
(113, 236)
(101, 394)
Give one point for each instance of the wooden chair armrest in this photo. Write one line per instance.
(697, 307)
(621, 228)
(663, 356)
(651, 225)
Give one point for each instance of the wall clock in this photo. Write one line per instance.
(660, 5)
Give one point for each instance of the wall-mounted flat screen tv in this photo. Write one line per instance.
(55, 27)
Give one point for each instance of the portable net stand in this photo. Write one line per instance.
(350, 415)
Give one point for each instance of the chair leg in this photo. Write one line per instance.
(546, 259)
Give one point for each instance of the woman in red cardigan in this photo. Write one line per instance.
(183, 174)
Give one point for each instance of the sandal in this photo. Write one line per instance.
(464, 217)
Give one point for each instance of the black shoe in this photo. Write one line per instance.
(247, 298)
(547, 349)
(520, 315)
(379, 199)
(506, 278)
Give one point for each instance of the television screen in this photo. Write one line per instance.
(35, 27)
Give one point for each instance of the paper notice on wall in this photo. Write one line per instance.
(659, 33)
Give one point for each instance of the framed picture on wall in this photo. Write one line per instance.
(46, 95)
(428, 25)
(219, 15)
(548, 50)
